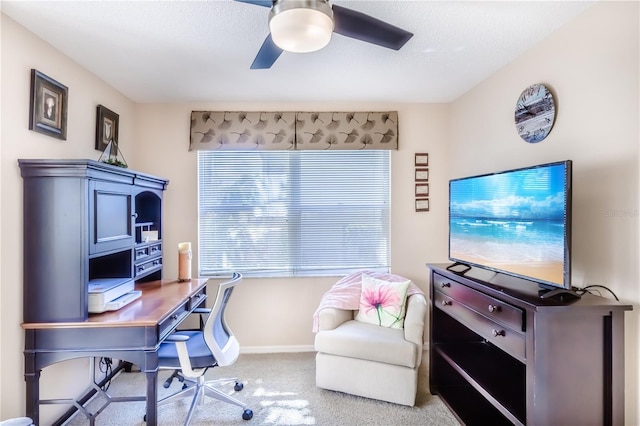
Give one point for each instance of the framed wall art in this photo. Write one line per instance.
(422, 189)
(422, 204)
(422, 175)
(421, 159)
(48, 106)
(106, 128)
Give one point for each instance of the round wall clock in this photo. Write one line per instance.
(535, 113)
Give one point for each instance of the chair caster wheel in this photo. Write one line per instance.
(247, 414)
(145, 418)
(238, 387)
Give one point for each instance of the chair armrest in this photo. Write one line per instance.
(330, 318)
(183, 355)
(414, 319)
(176, 338)
(201, 312)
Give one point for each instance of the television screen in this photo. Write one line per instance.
(516, 222)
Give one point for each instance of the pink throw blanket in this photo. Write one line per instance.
(345, 294)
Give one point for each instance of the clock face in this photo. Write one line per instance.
(535, 113)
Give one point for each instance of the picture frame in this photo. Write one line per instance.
(421, 159)
(422, 189)
(422, 175)
(422, 204)
(107, 125)
(48, 106)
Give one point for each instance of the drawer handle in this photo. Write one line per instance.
(498, 333)
(445, 285)
(446, 303)
(175, 317)
(494, 308)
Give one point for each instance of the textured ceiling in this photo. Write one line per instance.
(173, 51)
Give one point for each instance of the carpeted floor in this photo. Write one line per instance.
(280, 389)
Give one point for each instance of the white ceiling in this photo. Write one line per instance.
(173, 51)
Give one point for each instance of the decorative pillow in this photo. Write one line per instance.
(383, 302)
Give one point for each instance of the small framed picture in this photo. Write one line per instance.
(106, 128)
(422, 159)
(48, 106)
(422, 204)
(422, 175)
(422, 189)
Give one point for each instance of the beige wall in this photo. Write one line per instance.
(276, 314)
(268, 314)
(594, 76)
(22, 51)
(591, 66)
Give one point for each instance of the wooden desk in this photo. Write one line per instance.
(132, 334)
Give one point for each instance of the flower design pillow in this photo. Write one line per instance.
(382, 302)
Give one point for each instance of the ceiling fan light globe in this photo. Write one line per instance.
(301, 30)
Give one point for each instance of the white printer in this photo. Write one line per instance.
(110, 294)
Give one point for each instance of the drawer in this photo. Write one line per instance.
(148, 251)
(169, 324)
(197, 299)
(488, 306)
(155, 249)
(503, 337)
(146, 267)
(141, 253)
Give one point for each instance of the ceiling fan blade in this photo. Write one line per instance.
(267, 55)
(363, 27)
(265, 3)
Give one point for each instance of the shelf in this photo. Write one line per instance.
(483, 380)
(495, 375)
(470, 407)
(141, 224)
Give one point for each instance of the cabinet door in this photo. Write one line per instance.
(110, 217)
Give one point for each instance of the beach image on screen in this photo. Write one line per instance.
(512, 222)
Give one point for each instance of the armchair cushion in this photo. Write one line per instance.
(382, 302)
(358, 340)
(345, 295)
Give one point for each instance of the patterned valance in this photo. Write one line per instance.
(227, 130)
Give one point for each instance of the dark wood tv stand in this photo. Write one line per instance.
(500, 354)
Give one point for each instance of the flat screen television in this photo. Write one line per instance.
(516, 222)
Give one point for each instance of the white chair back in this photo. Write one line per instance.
(217, 334)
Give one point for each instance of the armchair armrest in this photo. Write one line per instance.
(330, 318)
(414, 319)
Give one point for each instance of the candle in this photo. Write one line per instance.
(184, 262)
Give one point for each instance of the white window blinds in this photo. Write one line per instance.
(288, 213)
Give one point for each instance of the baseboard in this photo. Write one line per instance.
(275, 349)
(289, 349)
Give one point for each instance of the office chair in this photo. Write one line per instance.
(191, 353)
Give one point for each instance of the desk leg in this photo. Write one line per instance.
(33, 396)
(32, 379)
(152, 397)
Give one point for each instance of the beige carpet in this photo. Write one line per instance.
(280, 389)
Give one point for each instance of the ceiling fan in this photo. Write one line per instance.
(306, 26)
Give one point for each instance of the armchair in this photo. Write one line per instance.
(191, 353)
(366, 359)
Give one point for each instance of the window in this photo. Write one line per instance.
(291, 213)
